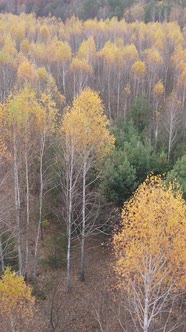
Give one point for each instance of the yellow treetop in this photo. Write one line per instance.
(81, 65)
(158, 88)
(139, 68)
(152, 56)
(26, 71)
(85, 124)
(153, 236)
(87, 49)
(15, 296)
(26, 112)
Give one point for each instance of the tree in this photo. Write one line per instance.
(151, 254)
(119, 178)
(129, 164)
(17, 302)
(88, 140)
(173, 121)
(179, 173)
(29, 121)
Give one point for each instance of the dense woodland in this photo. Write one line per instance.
(88, 109)
(131, 10)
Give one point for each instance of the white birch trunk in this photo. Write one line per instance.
(17, 205)
(69, 220)
(27, 214)
(43, 138)
(82, 267)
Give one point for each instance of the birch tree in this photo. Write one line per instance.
(85, 129)
(151, 254)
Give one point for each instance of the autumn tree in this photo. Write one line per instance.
(88, 140)
(7, 230)
(17, 302)
(150, 253)
(28, 121)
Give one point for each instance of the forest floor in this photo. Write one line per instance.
(87, 307)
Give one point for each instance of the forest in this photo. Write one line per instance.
(93, 167)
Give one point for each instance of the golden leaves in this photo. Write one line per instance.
(152, 56)
(81, 65)
(86, 124)
(153, 225)
(26, 71)
(139, 68)
(15, 296)
(158, 88)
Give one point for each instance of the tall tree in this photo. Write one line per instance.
(85, 129)
(151, 254)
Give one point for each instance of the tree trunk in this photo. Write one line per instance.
(69, 225)
(40, 204)
(82, 270)
(2, 256)
(17, 205)
(27, 214)
(146, 306)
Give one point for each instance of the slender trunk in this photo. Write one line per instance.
(40, 204)
(118, 94)
(12, 324)
(146, 306)
(170, 141)
(69, 230)
(64, 82)
(109, 95)
(2, 256)
(69, 219)
(17, 205)
(74, 84)
(82, 270)
(27, 214)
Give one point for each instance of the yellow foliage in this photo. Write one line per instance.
(42, 73)
(153, 228)
(24, 108)
(152, 56)
(85, 125)
(139, 68)
(25, 46)
(113, 53)
(15, 296)
(44, 33)
(79, 65)
(3, 148)
(26, 71)
(182, 76)
(158, 88)
(61, 51)
(87, 49)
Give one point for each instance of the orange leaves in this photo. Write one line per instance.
(158, 88)
(153, 225)
(15, 296)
